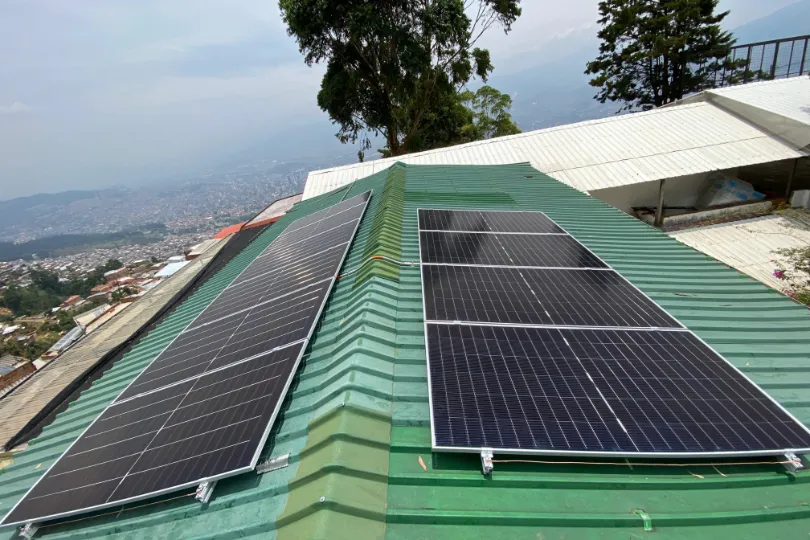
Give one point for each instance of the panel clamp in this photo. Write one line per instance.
(793, 463)
(29, 530)
(204, 491)
(486, 461)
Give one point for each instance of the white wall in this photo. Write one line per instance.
(681, 191)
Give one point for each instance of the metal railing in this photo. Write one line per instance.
(766, 60)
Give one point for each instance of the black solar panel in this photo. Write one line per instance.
(253, 331)
(596, 391)
(536, 345)
(559, 251)
(535, 296)
(203, 408)
(166, 440)
(479, 221)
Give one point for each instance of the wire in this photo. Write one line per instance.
(119, 511)
(628, 463)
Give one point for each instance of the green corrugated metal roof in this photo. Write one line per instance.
(357, 419)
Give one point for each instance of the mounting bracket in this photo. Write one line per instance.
(29, 530)
(486, 461)
(273, 464)
(795, 462)
(204, 491)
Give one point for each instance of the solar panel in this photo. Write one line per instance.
(477, 221)
(537, 296)
(165, 439)
(557, 251)
(586, 391)
(205, 405)
(535, 345)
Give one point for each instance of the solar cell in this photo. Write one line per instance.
(481, 221)
(584, 391)
(254, 331)
(535, 296)
(560, 251)
(203, 408)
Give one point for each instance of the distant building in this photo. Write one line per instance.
(13, 370)
(115, 275)
(64, 343)
(86, 319)
(170, 269)
(71, 301)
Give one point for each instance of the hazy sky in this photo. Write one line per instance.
(99, 92)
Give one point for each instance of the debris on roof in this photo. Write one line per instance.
(750, 246)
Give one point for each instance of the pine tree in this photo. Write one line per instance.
(654, 52)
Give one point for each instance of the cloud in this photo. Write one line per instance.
(17, 107)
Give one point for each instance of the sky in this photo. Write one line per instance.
(95, 93)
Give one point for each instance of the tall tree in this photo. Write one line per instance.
(394, 68)
(654, 52)
(491, 115)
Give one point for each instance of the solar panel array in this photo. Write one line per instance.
(205, 405)
(535, 345)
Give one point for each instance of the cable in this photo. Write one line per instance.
(119, 511)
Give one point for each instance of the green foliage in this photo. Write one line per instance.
(61, 323)
(46, 291)
(654, 52)
(122, 292)
(490, 114)
(29, 300)
(395, 68)
(795, 273)
(28, 349)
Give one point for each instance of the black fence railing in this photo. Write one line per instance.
(766, 60)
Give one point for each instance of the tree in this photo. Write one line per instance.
(395, 68)
(490, 114)
(654, 52)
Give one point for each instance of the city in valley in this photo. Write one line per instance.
(69, 261)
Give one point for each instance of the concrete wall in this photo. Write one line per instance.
(681, 191)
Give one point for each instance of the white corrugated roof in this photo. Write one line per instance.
(610, 152)
(786, 97)
(171, 269)
(750, 245)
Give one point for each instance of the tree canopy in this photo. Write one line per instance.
(396, 68)
(491, 115)
(654, 52)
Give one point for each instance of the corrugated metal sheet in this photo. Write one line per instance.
(786, 97)
(749, 246)
(20, 407)
(598, 154)
(274, 210)
(356, 425)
